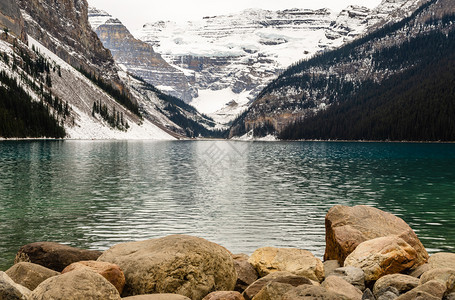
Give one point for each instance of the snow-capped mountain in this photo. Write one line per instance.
(230, 59)
(53, 60)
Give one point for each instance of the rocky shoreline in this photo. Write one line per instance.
(369, 255)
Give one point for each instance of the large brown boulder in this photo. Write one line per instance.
(347, 227)
(178, 264)
(339, 285)
(30, 275)
(280, 277)
(382, 256)
(111, 272)
(76, 285)
(9, 290)
(246, 273)
(311, 293)
(296, 261)
(53, 256)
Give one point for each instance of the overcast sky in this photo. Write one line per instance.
(135, 13)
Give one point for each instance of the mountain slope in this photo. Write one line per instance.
(333, 77)
(230, 59)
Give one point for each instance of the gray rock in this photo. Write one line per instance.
(431, 290)
(9, 290)
(330, 266)
(401, 282)
(450, 296)
(353, 275)
(30, 275)
(368, 295)
(388, 293)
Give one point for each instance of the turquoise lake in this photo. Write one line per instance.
(242, 195)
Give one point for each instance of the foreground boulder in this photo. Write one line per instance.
(280, 277)
(75, 285)
(9, 290)
(382, 256)
(246, 273)
(432, 290)
(178, 264)
(30, 275)
(111, 272)
(347, 227)
(297, 261)
(444, 275)
(273, 291)
(53, 256)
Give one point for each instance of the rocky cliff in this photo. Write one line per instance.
(138, 57)
(11, 19)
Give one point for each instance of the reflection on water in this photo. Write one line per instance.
(240, 195)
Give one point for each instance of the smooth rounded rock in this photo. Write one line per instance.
(281, 277)
(347, 227)
(353, 275)
(312, 292)
(53, 256)
(30, 275)
(178, 264)
(431, 290)
(442, 260)
(382, 256)
(273, 291)
(227, 295)
(76, 285)
(157, 297)
(297, 261)
(340, 286)
(111, 272)
(388, 293)
(330, 266)
(10, 290)
(401, 282)
(246, 273)
(444, 275)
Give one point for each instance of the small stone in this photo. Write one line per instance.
(388, 293)
(297, 261)
(246, 274)
(312, 292)
(224, 296)
(431, 290)
(9, 290)
(339, 285)
(353, 275)
(401, 282)
(444, 275)
(273, 291)
(76, 285)
(30, 275)
(330, 266)
(417, 272)
(53, 256)
(450, 297)
(368, 295)
(281, 277)
(111, 272)
(158, 297)
(382, 256)
(442, 260)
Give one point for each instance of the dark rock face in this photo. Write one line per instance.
(11, 19)
(141, 60)
(62, 26)
(53, 255)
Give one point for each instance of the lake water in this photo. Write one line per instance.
(94, 194)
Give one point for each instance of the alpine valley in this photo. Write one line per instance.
(70, 71)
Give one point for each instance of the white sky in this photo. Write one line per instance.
(135, 13)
